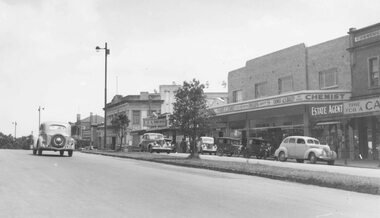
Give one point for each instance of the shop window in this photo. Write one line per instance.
(328, 78)
(260, 89)
(136, 117)
(237, 96)
(373, 71)
(285, 84)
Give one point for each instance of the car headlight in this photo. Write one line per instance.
(323, 153)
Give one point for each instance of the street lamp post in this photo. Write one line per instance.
(15, 123)
(39, 116)
(107, 52)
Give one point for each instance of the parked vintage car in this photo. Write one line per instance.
(258, 147)
(304, 148)
(155, 142)
(207, 145)
(54, 136)
(229, 146)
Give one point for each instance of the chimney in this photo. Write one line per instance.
(78, 118)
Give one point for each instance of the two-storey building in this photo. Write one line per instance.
(295, 91)
(363, 111)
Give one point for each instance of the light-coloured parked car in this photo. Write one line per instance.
(304, 148)
(54, 136)
(207, 145)
(155, 142)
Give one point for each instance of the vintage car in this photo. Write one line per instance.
(229, 146)
(258, 147)
(54, 136)
(155, 142)
(304, 148)
(207, 145)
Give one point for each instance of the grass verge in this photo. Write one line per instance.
(325, 179)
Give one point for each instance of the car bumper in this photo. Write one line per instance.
(208, 150)
(328, 157)
(164, 149)
(51, 148)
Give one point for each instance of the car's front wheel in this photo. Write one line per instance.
(34, 151)
(281, 156)
(312, 158)
(70, 153)
(61, 153)
(39, 151)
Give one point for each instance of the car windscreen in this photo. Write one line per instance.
(57, 127)
(207, 140)
(156, 137)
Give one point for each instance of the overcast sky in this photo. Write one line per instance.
(48, 58)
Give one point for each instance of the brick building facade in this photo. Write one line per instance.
(276, 95)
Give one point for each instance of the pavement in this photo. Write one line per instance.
(359, 163)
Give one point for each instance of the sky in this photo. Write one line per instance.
(48, 57)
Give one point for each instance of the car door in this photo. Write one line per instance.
(291, 147)
(300, 148)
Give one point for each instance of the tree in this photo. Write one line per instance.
(120, 122)
(190, 112)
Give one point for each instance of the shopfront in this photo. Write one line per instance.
(277, 117)
(365, 123)
(327, 125)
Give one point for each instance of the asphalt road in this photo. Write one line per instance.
(87, 185)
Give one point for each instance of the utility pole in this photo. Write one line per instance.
(39, 116)
(15, 123)
(107, 52)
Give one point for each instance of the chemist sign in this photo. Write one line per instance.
(362, 106)
(326, 110)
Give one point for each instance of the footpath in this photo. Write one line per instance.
(358, 176)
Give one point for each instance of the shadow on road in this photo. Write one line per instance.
(49, 155)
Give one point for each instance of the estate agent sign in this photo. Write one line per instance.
(326, 110)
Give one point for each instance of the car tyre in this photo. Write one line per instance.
(312, 158)
(70, 153)
(61, 153)
(40, 152)
(299, 160)
(331, 162)
(281, 156)
(34, 151)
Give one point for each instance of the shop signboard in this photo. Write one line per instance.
(152, 122)
(326, 110)
(296, 98)
(362, 106)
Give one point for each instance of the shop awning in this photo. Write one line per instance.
(327, 123)
(279, 127)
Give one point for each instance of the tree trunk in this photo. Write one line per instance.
(194, 151)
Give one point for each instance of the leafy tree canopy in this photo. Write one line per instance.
(190, 112)
(120, 122)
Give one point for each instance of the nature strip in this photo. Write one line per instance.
(332, 180)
